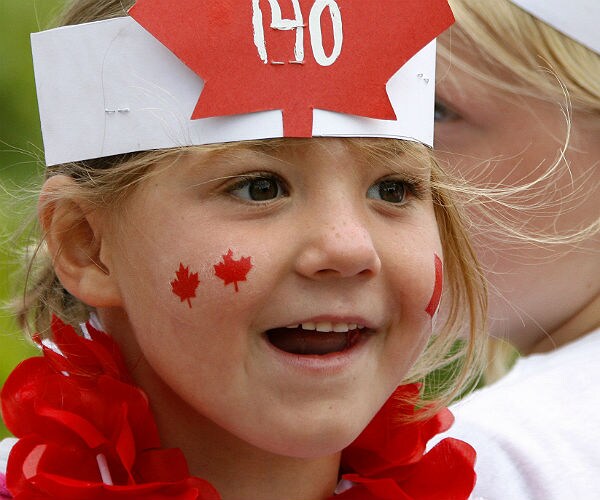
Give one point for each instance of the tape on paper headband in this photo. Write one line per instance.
(578, 19)
(196, 72)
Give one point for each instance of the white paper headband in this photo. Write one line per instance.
(578, 19)
(110, 87)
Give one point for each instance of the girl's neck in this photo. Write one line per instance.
(236, 469)
(585, 321)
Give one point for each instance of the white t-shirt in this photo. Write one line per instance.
(537, 430)
(5, 447)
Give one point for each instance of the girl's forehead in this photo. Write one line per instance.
(358, 151)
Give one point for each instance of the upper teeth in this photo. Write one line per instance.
(326, 326)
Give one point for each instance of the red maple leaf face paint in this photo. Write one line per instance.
(233, 271)
(185, 284)
(437, 289)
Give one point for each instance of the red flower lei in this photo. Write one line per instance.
(86, 431)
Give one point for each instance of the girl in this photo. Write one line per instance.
(268, 296)
(499, 98)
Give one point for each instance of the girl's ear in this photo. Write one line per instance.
(74, 235)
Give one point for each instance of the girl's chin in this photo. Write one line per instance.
(309, 442)
(310, 449)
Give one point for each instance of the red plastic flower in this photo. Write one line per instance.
(85, 430)
(388, 461)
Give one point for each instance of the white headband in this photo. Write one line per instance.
(110, 87)
(578, 19)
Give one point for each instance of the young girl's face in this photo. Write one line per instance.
(535, 288)
(228, 261)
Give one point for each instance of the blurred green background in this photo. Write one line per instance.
(20, 154)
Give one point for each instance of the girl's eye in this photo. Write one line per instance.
(390, 191)
(259, 188)
(443, 114)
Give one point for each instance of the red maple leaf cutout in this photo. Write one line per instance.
(233, 271)
(185, 285)
(216, 39)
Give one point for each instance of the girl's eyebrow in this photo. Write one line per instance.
(278, 152)
(242, 151)
(404, 163)
(199, 159)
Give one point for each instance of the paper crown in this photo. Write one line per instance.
(578, 19)
(196, 72)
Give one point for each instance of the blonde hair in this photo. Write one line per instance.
(535, 55)
(522, 55)
(105, 182)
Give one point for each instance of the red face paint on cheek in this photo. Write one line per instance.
(233, 271)
(437, 289)
(185, 284)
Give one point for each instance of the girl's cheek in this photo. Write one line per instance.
(232, 269)
(436, 296)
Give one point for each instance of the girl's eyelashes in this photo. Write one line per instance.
(259, 188)
(398, 192)
(444, 114)
(266, 187)
(390, 191)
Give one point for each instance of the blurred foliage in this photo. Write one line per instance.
(20, 154)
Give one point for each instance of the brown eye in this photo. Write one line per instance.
(390, 191)
(263, 188)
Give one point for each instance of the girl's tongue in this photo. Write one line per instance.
(307, 342)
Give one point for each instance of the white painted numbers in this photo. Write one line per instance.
(314, 26)
(316, 36)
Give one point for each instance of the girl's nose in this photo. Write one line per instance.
(341, 248)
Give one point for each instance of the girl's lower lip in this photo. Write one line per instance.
(320, 364)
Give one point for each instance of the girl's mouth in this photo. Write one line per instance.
(316, 338)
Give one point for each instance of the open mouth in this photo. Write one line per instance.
(316, 338)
